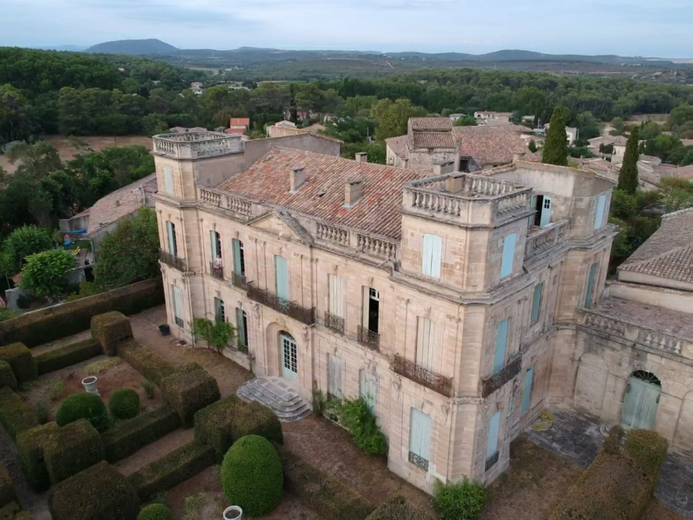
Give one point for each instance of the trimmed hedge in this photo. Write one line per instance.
(224, 422)
(83, 406)
(71, 449)
(325, 495)
(15, 415)
(9, 511)
(97, 493)
(125, 438)
(188, 390)
(67, 356)
(648, 449)
(397, 507)
(19, 357)
(172, 469)
(24, 515)
(30, 447)
(124, 403)
(7, 493)
(7, 376)
(145, 361)
(109, 329)
(59, 321)
(155, 512)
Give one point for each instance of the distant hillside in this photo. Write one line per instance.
(152, 46)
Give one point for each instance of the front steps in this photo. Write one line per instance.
(277, 394)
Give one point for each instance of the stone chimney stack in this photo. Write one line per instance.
(361, 157)
(352, 192)
(458, 153)
(297, 178)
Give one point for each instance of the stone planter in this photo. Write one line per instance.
(233, 513)
(90, 383)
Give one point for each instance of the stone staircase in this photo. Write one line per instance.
(277, 394)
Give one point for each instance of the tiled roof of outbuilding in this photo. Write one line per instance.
(431, 123)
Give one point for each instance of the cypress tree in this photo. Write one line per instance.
(628, 175)
(556, 145)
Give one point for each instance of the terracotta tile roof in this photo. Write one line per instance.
(121, 203)
(430, 123)
(434, 140)
(491, 145)
(240, 121)
(683, 172)
(378, 211)
(398, 145)
(675, 232)
(235, 131)
(674, 265)
(658, 318)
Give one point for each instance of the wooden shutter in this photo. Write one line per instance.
(534, 206)
(334, 378)
(425, 343)
(213, 244)
(493, 431)
(219, 311)
(420, 434)
(508, 255)
(168, 180)
(177, 303)
(240, 327)
(527, 391)
(368, 388)
(590, 285)
(545, 212)
(336, 296)
(432, 256)
(536, 301)
(281, 273)
(237, 265)
(501, 345)
(171, 235)
(599, 217)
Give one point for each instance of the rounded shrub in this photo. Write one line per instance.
(251, 475)
(124, 403)
(155, 512)
(83, 406)
(459, 500)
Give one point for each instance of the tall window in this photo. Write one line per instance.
(536, 302)
(432, 255)
(373, 310)
(281, 277)
(590, 285)
(168, 180)
(492, 440)
(368, 388)
(508, 255)
(215, 243)
(420, 439)
(219, 310)
(242, 330)
(501, 345)
(238, 257)
(337, 296)
(542, 204)
(425, 343)
(172, 239)
(177, 305)
(334, 376)
(599, 217)
(527, 390)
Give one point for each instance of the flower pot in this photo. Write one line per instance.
(233, 513)
(89, 384)
(165, 330)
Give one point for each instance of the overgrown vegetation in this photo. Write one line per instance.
(357, 417)
(462, 500)
(44, 273)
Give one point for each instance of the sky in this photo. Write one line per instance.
(624, 27)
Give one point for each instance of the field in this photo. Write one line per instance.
(69, 147)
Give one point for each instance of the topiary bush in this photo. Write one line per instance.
(189, 389)
(15, 415)
(109, 330)
(648, 449)
(7, 376)
(251, 475)
(71, 449)
(155, 512)
(459, 500)
(7, 493)
(30, 447)
(67, 356)
(83, 406)
(19, 357)
(124, 403)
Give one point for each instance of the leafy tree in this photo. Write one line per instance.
(466, 121)
(649, 130)
(532, 146)
(617, 124)
(393, 117)
(680, 115)
(676, 194)
(130, 253)
(16, 121)
(628, 175)
(555, 149)
(217, 334)
(376, 151)
(23, 242)
(44, 273)
(37, 160)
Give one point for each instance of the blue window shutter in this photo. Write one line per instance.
(177, 304)
(501, 345)
(599, 217)
(213, 244)
(536, 302)
(508, 255)
(527, 391)
(545, 212)
(432, 255)
(168, 180)
(281, 273)
(534, 206)
(170, 234)
(420, 434)
(236, 244)
(493, 431)
(219, 310)
(590, 286)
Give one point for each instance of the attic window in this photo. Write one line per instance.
(321, 193)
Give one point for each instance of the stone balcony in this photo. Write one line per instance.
(219, 199)
(196, 145)
(541, 241)
(464, 198)
(292, 309)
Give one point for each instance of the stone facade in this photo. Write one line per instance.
(454, 380)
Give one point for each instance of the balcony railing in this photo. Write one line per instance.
(417, 461)
(291, 309)
(497, 380)
(334, 322)
(368, 338)
(224, 200)
(417, 373)
(545, 239)
(239, 280)
(172, 260)
(216, 271)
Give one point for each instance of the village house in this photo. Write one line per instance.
(449, 302)
(238, 125)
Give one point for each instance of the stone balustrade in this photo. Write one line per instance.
(545, 239)
(196, 145)
(224, 200)
(333, 234)
(376, 247)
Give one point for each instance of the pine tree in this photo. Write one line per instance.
(556, 146)
(628, 175)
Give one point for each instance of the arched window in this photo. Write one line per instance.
(648, 377)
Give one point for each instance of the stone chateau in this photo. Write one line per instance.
(458, 305)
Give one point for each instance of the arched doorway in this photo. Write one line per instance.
(641, 400)
(289, 356)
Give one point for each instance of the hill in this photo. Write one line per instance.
(140, 47)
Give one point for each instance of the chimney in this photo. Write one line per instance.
(361, 157)
(298, 178)
(458, 154)
(517, 157)
(437, 170)
(352, 192)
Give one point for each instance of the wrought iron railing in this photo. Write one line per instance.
(172, 260)
(239, 280)
(368, 338)
(423, 376)
(417, 461)
(216, 271)
(333, 322)
(291, 309)
(491, 461)
(497, 380)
